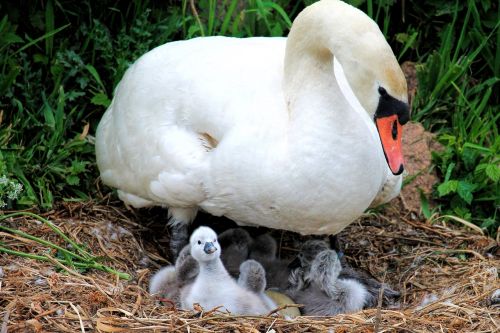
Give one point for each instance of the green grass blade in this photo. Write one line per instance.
(49, 26)
(54, 228)
(227, 17)
(41, 241)
(33, 42)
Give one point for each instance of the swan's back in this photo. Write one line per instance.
(176, 95)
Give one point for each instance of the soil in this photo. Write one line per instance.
(417, 147)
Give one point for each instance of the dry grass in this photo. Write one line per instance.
(455, 270)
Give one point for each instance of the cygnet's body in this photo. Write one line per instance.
(236, 243)
(164, 284)
(312, 248)
(253, 277)
(168, 282)
(264, 249)
(214, 287)
(322, 292)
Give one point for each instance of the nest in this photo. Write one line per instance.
(446, 276)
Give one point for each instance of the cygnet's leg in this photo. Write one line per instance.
(325, 270)
(179, 220)
(252, 276)
(186, 267)
(296, 280)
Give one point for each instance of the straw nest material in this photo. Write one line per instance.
(446, 274)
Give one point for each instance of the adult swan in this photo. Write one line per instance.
(261, 130)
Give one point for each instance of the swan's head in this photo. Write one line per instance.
(378, 82)
(333, 28)
(204, 246)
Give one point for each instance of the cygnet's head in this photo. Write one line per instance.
(204, 246)
(308, 253)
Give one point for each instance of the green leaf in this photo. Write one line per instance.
(447, 187)
(100, 99)
(424, 204)
(448, 172)
(77, 167)
(11, 38)
(48, 114)
(95, 75)
(489, 222)
(465, 189)
(469, 157)
(73, 180)
(493, 171)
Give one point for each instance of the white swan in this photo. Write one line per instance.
(261, 130)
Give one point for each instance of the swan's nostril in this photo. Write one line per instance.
(395, 130)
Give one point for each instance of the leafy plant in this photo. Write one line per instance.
(9, 191)
(464, 113)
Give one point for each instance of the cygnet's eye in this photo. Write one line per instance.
(199, 242)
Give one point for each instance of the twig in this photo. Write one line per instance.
(79, 317)
(197, 17)
(378, 316)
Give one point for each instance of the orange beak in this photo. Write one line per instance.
(390, 132)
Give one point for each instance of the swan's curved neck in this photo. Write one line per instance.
(329, 28)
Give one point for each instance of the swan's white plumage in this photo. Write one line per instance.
(287, 147)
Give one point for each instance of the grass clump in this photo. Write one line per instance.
(75, 256)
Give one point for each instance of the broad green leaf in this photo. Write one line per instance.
(96, 76)
(465, 189)
(447, 187)
(48, 114)
(100, 99)
(73, 180)
(77, 167)
(493, 171)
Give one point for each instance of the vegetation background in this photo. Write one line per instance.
(61, 60)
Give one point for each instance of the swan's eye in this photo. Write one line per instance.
(382, 91)
(199, 242)
(215, 240)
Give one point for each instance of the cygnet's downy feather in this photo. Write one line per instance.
(311, 248)
(321, 290)
(163, 284)
(236, 243)
(253, 277)
(214, 287)
(264, 250)
(169, 280)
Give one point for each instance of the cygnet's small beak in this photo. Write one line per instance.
(209, 248)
